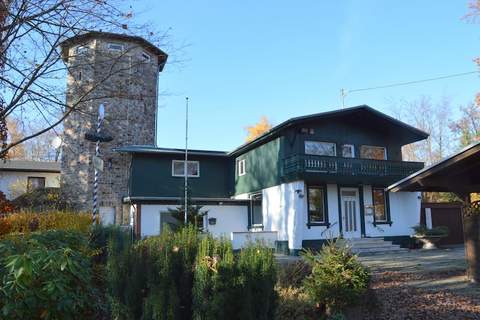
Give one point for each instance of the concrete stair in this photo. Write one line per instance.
(373, 246)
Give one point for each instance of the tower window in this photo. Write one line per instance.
(81, 49)
(145, 57)
(115, 46)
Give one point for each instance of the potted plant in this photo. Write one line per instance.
(430, 237)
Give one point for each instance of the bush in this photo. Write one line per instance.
(292, 274)
(337, 279)
(257, 277)
(47, 275)
(25, 222)
(294, 303)
(42, 199)
(214, 290)
(154, 278)
(6, 206)
(421, 230)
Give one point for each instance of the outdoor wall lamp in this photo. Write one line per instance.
(212, 221)
(300, 193)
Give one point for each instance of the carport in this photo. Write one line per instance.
(460, 174)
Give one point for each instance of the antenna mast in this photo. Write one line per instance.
(185, 168)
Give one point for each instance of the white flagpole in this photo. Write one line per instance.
(186, 161)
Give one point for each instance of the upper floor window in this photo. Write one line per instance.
(81, 49)
(320, 148)
(178, 168)
(348, 151)
(379, 204)
(241, 169)
(373, 152)
(316, 205)
(115, 46)
(35, 183)
(145, 57)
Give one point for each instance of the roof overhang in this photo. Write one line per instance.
(176, 200)
(30, 166)
(155, 150)
(459, 173)
(359, 115)
(83, 37)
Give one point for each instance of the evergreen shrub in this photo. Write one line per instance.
(337, 279)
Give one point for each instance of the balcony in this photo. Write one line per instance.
(361, 170)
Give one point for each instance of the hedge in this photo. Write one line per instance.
(26, 222)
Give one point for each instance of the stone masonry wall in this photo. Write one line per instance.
(126, 83)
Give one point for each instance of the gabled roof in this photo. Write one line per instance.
(406, 133)
(153, 149)
(30, 166)
(83, 37)
(459, 173)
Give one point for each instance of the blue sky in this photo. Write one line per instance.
(282, 59)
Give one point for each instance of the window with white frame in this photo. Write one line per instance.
(320, 148)
(112, 46)
(241, 169)
(178, 168)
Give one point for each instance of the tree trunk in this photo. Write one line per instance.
(471, 230)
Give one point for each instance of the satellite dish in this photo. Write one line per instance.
(101, 112)
(56, 142)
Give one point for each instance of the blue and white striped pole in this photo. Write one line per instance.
(101, 116)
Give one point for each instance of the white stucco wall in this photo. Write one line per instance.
(404, 213)
(14, 183)
(282, 207)
(230, 218)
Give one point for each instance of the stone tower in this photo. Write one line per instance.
(121, 72)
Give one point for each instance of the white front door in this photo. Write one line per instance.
(350, 213)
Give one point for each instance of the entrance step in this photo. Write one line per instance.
(373, 246)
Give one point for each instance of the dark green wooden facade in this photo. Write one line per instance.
(279, 156)
(151, 176)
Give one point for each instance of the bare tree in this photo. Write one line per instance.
(432, 118)
(33, 74)
(467, 127)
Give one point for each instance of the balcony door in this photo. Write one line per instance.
(350, 208)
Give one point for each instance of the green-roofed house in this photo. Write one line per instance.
(306, 180)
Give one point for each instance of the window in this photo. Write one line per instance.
(145, 56)
(81, 49)
(379, 205)
(256, 212)
(320, 148)
(178, 168)
(35, 183)
(372, 152)
(316, 205)
(115, 47)
(348, 151)
(241, 169)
